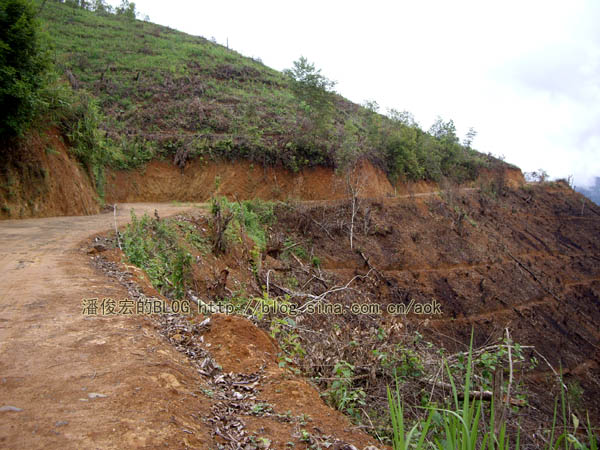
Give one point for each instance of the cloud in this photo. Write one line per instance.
(563, 83)
(569, 70)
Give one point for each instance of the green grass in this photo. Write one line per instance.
(154, 246)
(162, 93)
(250, 217)
(461, 427)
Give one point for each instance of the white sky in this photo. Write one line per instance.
(525, 74)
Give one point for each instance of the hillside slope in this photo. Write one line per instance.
(143, 96)
(520, 261)
(184, 119)
(166, 94)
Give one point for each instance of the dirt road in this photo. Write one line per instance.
(71, 381)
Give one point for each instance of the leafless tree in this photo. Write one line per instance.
(355, 183)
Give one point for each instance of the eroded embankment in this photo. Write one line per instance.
(522, 259)
(249, 397)
(162, 181)
(198, 181)
(38, 178)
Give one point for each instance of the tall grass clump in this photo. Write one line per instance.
(153, 245)
(250, 217)
(461, 427)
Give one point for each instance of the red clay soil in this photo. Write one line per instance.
(74, 381)
(239, 347)
(43, 180)
(527, 259)
(162, 181)
(198, 181)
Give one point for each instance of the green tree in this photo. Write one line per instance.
(101, 7)
(23, 64)
(470, 136)
(127, 10)
(311, 87)
(372, 121)
(429, 155)
(348, 153)
(403, 117)
(316, 108)
(400, 149)
(445, 131)
(308, 76)
(452, 156)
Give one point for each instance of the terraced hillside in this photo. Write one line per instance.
(516, 265)
(528, 260)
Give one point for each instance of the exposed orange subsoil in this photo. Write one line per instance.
(240, 347)
(43, 180)
(513, 178)
(54, 360)
(526, 259)
(162, 181)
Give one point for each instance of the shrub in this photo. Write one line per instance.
(249, 216)
(153, 245)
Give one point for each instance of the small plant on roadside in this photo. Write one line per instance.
(152, 245)
(260, 409)
(461, 425)
(284, 331)
(342, 394)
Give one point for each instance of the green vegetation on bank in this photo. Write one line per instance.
(156, 247)
(154, 92)
(164, 247)
(462, 425)
(437, 399)
(249, 217)
(35, 93)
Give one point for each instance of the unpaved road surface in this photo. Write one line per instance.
(54, 360)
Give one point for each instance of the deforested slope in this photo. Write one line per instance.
(166, 94)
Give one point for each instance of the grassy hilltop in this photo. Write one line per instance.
(156, 92)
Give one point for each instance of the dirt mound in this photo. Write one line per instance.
(240, 378)
(239, 345)
(41, 179)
